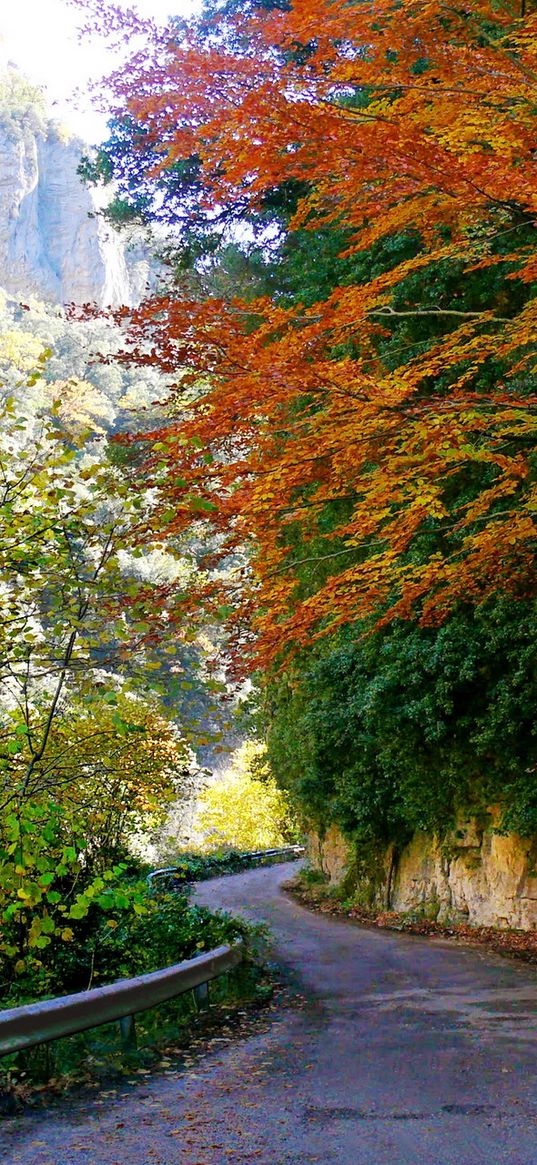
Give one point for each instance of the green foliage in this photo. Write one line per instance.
(130, 933)
(111, 772)
(395, 731)
(169, 930)
(22, 106)
(115, 928)
(52, 374)
(86, 755)
(49, 922)
(192, 866)
(69, 525)
(105, 394)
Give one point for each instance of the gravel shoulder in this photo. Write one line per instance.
(408, 1051)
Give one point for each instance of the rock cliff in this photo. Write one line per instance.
(474, 874)
(53, 242)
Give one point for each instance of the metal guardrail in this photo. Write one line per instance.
(38, 1023)
(177, 873)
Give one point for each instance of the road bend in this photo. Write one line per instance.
(408, 1051)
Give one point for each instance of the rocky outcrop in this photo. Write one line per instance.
(474, 874)
(54, 243)
(330, 853)
(52, 239)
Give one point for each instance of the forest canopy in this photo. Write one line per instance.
(351, 193)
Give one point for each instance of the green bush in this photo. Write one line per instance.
(196, 867)
(399, 729)
(150, 932)
(168, 931)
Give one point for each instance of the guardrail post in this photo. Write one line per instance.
(201, 995)
(127, 1028)
(53, 1019)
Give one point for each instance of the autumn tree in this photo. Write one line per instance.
(244, 808)
(387, 427)
(352, 192)
(86, 752)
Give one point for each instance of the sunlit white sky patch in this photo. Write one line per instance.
(40, 37)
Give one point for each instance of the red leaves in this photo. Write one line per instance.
(400, 119)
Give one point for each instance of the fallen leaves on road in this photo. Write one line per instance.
(520, 944)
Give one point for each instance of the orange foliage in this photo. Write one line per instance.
(295, 417)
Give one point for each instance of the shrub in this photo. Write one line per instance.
(143, 933)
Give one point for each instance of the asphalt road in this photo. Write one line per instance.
(409, 1051)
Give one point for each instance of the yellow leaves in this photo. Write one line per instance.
(20, 351)
(67, 934)
(474, 131)
(81, 407)
(245, 808)
(373, 423)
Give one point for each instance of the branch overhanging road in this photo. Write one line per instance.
(409, 1051)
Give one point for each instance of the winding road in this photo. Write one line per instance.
(408, 1051)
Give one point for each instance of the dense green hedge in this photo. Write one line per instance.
(395, 731)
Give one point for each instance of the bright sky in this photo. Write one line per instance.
(40, 36)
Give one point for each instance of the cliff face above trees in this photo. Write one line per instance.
(50, 238)
(53, 241)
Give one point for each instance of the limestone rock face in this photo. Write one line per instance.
(488, 883)
(53, 244)
(473, 874)
(330, 854)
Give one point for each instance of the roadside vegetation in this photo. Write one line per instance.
(326, 498)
